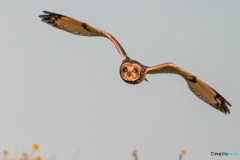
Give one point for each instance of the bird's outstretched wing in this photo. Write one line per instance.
(79, 28)
(197, 86)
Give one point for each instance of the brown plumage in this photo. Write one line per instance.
(132, 71)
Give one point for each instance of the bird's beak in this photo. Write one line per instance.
(129, 73)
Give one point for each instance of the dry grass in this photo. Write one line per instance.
(25, 156)
(35, 148)
(180, 157)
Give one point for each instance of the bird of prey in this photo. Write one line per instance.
(133, 72)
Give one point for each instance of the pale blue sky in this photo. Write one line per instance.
(65, 92)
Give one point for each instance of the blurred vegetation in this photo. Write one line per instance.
(181, 155)
(180, 158)
(25, 156)
(35, 147)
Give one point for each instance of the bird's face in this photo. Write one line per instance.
(131, 72)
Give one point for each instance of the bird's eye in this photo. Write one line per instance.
(134, 70)
(125, 70)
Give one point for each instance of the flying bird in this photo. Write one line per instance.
(133, 72)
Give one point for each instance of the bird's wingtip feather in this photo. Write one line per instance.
(47, 12)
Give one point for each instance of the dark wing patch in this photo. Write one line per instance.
(221, 103)
(209, 95)
(77, 27)
(71, 25)
(50, 18)
(85, 26)
(193, 80)
(197, 86)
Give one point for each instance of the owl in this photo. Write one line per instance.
(132, 71)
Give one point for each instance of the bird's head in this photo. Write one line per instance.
(132, 72)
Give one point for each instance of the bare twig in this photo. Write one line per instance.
(135, 155)
(181, 155)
